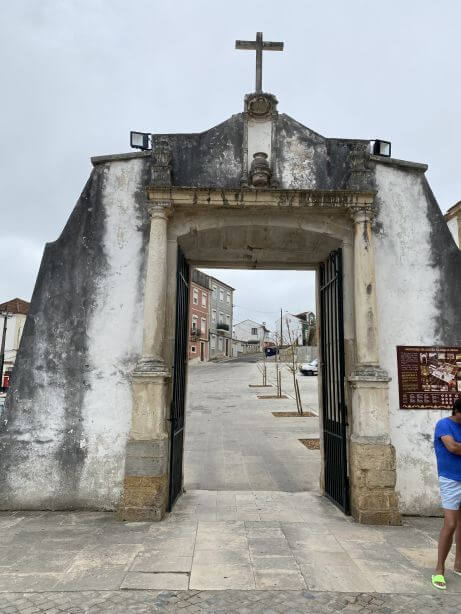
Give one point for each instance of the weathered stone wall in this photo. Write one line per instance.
(418, 275)
(67, 414)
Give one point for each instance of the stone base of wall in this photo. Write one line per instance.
(372, 480)
(145, 488)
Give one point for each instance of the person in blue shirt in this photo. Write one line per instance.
(447, 444)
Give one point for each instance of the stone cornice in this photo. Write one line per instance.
(247, 197)
(416, 166)
(118, 157)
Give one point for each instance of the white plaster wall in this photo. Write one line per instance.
(114, 338)
(259, 139)
(296, 166)
(14, 329)
(453, 228)
(242, 331)
(405, 290)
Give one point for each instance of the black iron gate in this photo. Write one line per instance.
(179, 378)
(334, 405)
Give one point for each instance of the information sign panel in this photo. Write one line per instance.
(429, 377)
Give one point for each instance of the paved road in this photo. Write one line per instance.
(233, 441)
(226, 602)
(249, 358)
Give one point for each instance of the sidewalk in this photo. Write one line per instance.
(280, 552)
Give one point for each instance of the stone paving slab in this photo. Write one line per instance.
(229, 601)
(322, 551)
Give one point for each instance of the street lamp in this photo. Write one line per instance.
(140, 140)
(381, 148)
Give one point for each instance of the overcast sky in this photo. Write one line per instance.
(77, 75)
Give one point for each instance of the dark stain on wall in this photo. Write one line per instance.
(446, 257)
(210, 159)
(53, 357)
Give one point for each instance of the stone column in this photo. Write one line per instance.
(145, 491)
(372, 456)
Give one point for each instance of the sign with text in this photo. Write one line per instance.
(429, 377)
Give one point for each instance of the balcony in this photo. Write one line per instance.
(195, 333)
(222, 326)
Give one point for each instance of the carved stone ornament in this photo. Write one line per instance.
(260, 172)
(360, 174)
(161, 163)
(260, 105)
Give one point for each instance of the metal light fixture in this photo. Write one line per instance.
(381, 148)
(140, 140)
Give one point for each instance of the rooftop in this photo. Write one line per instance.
(15, 305)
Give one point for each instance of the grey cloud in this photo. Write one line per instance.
(77, 75)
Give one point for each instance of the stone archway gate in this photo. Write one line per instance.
(212, 225)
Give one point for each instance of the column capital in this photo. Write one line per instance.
(362, 214)
(160, 208)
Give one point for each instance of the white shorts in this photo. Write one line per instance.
(450, 493)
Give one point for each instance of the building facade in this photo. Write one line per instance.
(453, 219)
(221, 309)
(250, 333)
(12, 313)
(295, 329)
(199, 305)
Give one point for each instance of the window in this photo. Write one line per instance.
(221, 294)
(221, 317)
(203, 326)
(228, 297)
(203, 299)
(193, 349)
(215, 288)
(213, 342)
(228, 320)
(220, 343)
(194, 322)
(254, 331)
(213, 315)
(195, 296)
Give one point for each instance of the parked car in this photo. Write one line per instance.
(271, 351)
(309, 368)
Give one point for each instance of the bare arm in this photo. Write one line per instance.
(451, 445)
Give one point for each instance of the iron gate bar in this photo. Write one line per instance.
(179, 379)
(334, 406)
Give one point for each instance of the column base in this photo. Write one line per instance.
(148, 366)
(372, 480)
(145, 487)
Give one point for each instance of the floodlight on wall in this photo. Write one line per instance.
(140, 140)
(381, 148)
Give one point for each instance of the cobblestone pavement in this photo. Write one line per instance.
(242, 602)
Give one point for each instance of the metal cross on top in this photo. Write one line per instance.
(259, 46)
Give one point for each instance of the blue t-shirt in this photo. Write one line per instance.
(448, 464)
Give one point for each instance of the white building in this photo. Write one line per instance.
(453, 219)
(15, 312)
(294, 328)
(249, 332)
